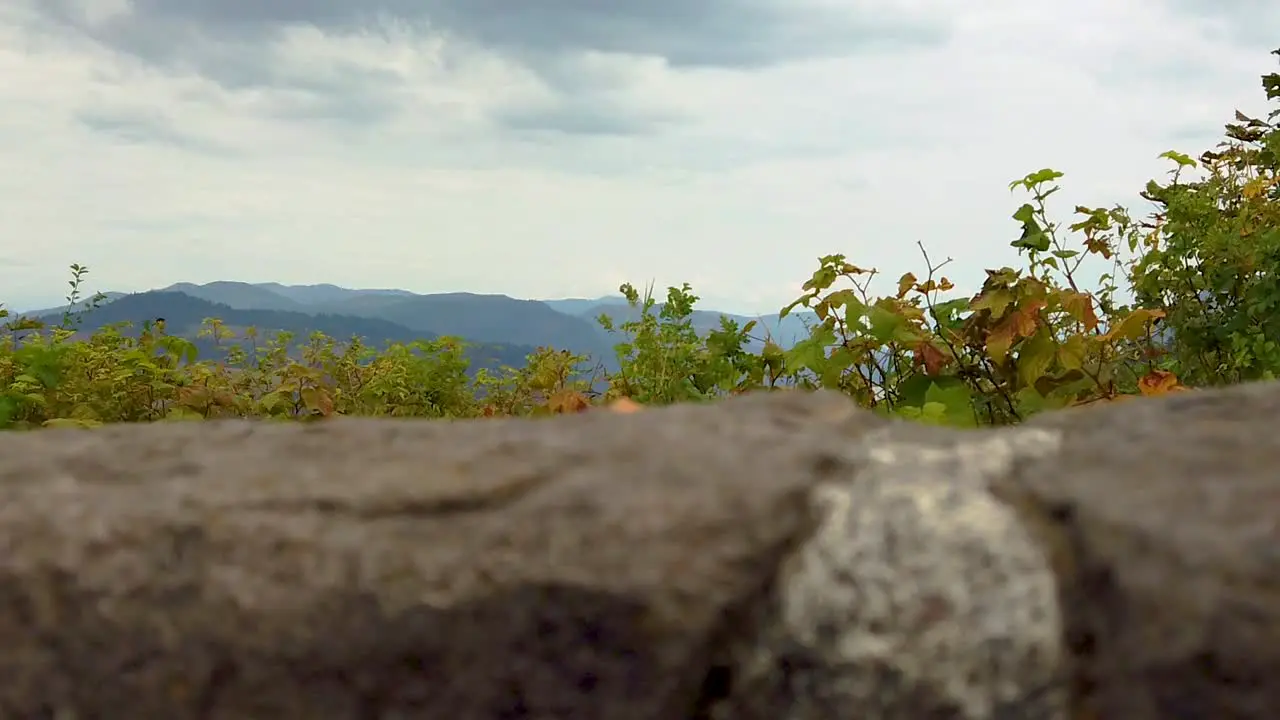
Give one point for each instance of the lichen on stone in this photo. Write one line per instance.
(920, 594)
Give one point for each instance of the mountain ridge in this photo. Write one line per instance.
(486, 318)
(184, 317)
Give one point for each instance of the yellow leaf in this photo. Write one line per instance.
(1071, 353)
(905, 283)
(996, 300)
(71, 423)
(1134, 325)
(999, 340)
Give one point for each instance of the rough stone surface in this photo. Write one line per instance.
(569, 568)
(1164, 520)
(780, 555)
(919, 595)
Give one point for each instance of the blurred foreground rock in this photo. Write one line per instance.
(780, 556)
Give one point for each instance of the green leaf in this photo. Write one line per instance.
(8, 410)
(906, 412)
(1029, 402)
(1035, 355)
(835, 365)
(912, 391)
(956, 397)
(1181, 159)
(885, 324)
(809, 354)
(934, 413)
(1043, 176)
(1036, 178)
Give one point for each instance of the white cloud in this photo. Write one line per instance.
(402, 155)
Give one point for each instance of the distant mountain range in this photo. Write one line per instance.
(505, 329)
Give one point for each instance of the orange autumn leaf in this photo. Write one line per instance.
(1159, 382)
(567, 401)
(1027, 317)
(1080, 306)
(930, 357)
(625, 406)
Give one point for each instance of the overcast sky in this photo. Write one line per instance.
(554, 148)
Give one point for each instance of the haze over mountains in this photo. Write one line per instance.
(505, 329)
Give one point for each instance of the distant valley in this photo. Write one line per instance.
(503, 329)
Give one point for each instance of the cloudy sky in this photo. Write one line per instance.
(553, 148)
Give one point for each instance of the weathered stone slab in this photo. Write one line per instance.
(1165, 520)
(779, 556)
(576, 567)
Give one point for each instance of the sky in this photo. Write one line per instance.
(558, 148)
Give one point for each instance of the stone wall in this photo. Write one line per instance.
(783, 556)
